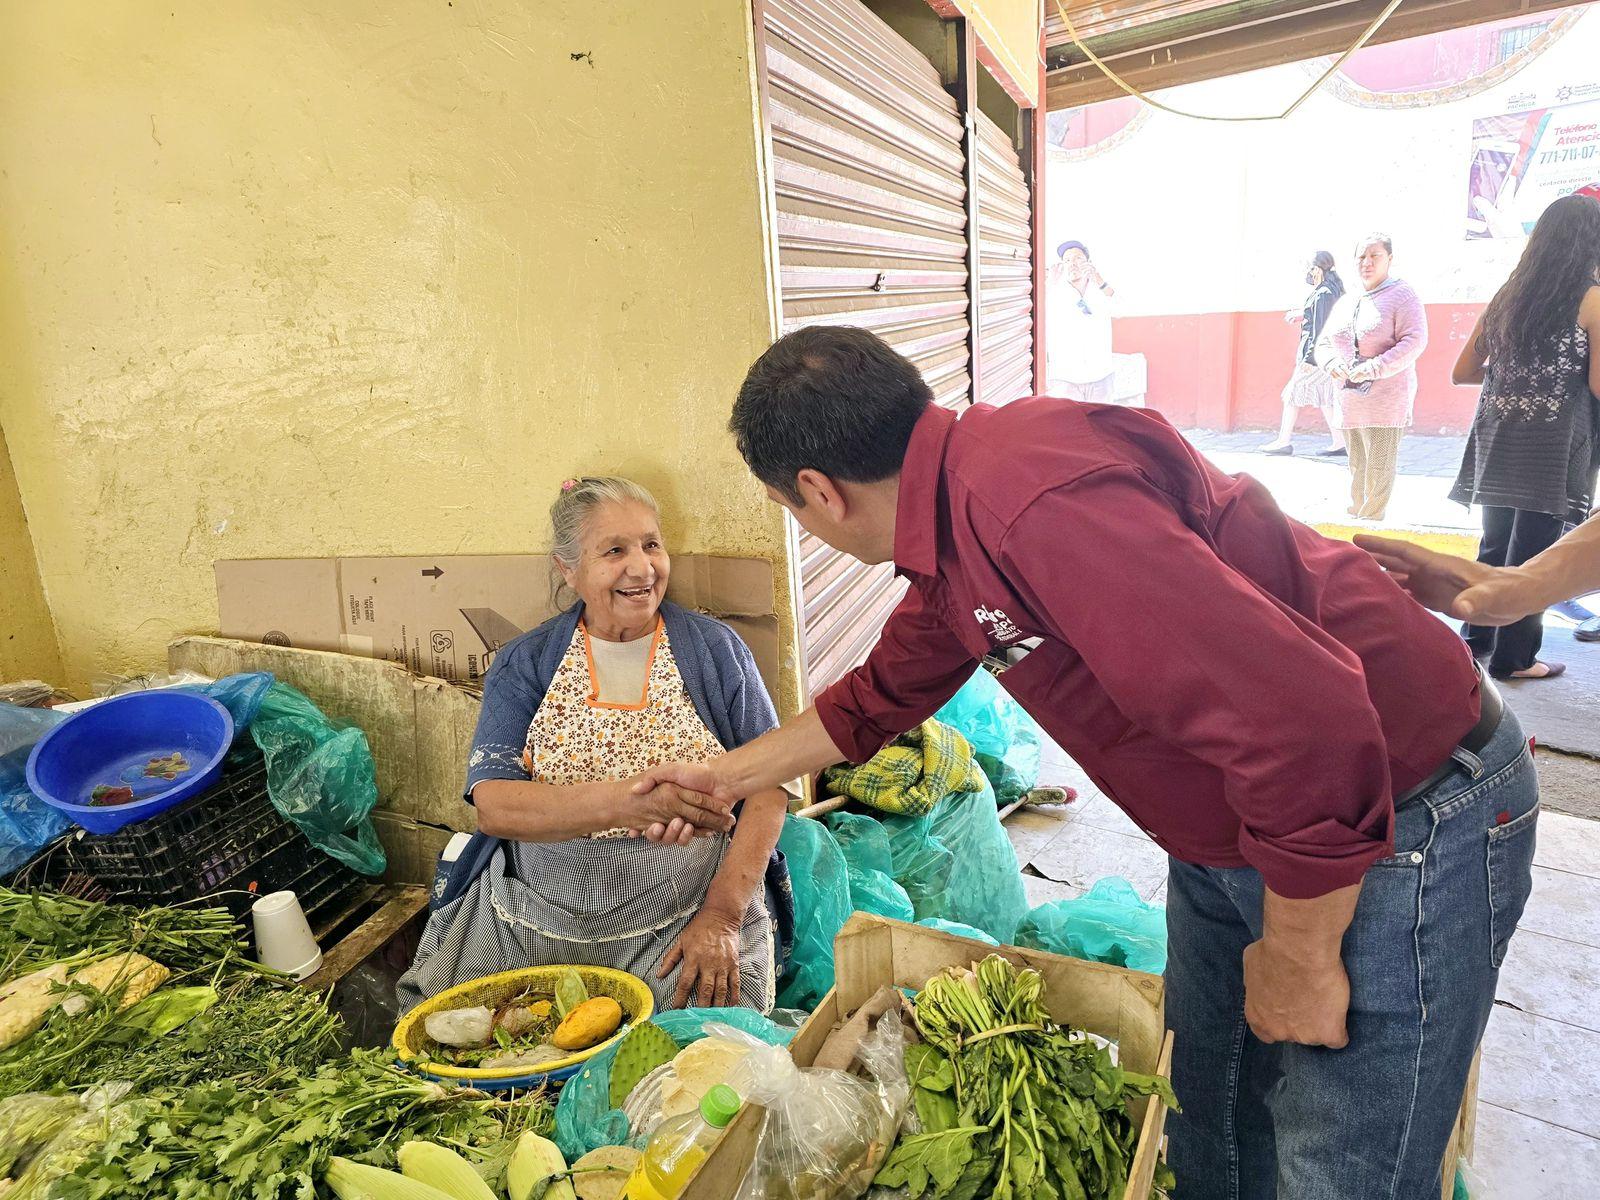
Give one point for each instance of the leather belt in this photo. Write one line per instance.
(1490, 709)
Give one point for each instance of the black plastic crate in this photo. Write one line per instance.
(228, 842)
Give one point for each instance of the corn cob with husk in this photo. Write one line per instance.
(135, 974)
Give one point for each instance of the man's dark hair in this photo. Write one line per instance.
(830, 398)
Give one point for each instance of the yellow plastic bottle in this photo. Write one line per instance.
(680, 1146)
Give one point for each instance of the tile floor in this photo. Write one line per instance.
(1538, 1134)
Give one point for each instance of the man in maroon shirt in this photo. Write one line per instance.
(1267, 705)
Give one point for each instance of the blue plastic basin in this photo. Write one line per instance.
(130, 741)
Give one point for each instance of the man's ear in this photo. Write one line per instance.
(820, 490)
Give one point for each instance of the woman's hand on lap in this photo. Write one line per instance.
(708, 948)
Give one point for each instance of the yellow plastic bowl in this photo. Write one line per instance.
(411, 1040)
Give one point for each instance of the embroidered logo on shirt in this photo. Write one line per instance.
(1001, 627)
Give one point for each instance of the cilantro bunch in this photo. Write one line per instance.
(223, 1141)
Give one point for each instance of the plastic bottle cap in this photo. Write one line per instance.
(721, 1105)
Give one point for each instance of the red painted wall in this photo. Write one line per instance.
(1227, 370)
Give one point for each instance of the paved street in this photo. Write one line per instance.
(1317, 490)
(1434, 457)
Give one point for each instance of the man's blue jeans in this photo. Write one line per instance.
(1370, 1121)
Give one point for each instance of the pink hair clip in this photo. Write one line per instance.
(569, 485)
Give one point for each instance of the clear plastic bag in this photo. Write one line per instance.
(28, 1123)
(1470, 1184)
(825, 1133)
(103, 1115)
(1005, 739)
(107, 685)
(27, 823)
(320, 777)
(1108, 924)
(585, 1120)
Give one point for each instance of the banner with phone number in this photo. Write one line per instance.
(1522, 161)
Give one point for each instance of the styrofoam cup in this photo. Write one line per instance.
(283, 935)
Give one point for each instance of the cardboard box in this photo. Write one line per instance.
(1124, 1006)
(290, 602)
(443, 617)
(448, 616)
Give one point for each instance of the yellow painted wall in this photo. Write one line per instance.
(27, 639)
(1010, 29)
(366, 277)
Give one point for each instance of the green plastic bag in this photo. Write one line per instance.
(320, 777)
(1005, 739)
(586, 1121)
(821, 880)
(957, 864)
(1108, 924)
(865, 845)
(960, 930)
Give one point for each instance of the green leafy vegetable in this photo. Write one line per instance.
(933, 1161)
(218, 1141)
(1013, 1105)
(167, 1009)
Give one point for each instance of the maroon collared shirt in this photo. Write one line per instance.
(1249, 691)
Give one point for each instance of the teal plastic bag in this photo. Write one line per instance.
(241, 695)
(960, 930)
(957, 864)
(865, 845)
(320, 777)
(27, 823)
(953, 864)
(1005, 739)
(1108, 924)
(586, 1121)
(821, 880)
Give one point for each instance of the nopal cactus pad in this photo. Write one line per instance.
(646, 1047)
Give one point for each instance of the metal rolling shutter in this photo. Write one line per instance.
(1005, 270)
(869, 175)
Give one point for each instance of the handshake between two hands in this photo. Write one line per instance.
(683, 801)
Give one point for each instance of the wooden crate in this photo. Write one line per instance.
(1123, 1006)
(1462, 1137)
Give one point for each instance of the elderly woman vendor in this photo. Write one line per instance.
(620, 682)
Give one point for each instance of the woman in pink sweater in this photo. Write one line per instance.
(1370, 345)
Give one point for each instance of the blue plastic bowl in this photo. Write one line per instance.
(135, 742)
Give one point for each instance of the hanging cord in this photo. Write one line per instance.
(1127, 87)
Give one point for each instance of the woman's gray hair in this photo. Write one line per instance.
(1380, 239)
(571, 512)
